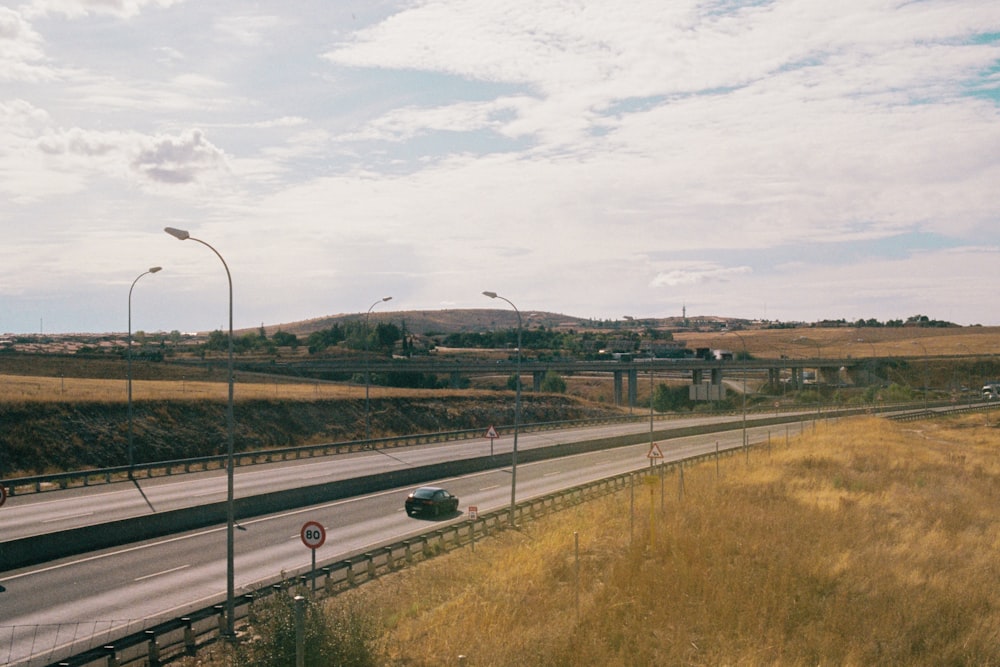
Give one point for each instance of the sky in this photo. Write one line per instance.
(786, 160)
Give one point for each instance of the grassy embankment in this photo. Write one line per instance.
(65, 413)
(861, 543)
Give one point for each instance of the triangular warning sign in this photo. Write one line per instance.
(491, 433)
(654, 452)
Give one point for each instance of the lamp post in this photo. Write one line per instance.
(873, 366)
(367, 376)
(926, 373)
(128, 372)
(745, 443)
(517, 405)
(819, 370)
(183, 235)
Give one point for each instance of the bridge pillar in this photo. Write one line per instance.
(697, 376)
(618, 387)
(773, 378)
(716, 376)
(829, 375)
(536, 380)
(633, 386)
(796, 380)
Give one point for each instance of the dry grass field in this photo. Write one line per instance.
(860, 543)
(843, 342)
(21, 388)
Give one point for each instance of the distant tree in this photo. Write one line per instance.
(285, 339)
(670, 399)
(553, 383)
(320, 340)
(217, 341)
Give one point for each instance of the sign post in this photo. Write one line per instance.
(313, 535)
(473, 517)
(654, 454)
(491, 433)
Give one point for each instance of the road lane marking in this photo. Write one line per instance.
(160, 574)
(66, 518)
(490, 488)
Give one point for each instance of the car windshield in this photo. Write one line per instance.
(424, 493)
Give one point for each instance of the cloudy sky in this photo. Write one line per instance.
(783, 159)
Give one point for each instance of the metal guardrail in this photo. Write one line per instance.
(64, 480)
(169, 640)
(90, 477)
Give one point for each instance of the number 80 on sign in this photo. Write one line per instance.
(313, 534)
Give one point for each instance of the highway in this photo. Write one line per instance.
(33, 514)
(62, 607)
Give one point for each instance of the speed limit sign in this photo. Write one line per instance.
(313, 534)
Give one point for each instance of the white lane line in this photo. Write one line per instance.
(490, 488)
(160, 574)
(552, 474)
(65, 518)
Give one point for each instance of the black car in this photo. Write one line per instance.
(432, 500)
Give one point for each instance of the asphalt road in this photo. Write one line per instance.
(34, 514)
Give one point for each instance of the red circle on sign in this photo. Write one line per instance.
(3, 494)
(313, 534)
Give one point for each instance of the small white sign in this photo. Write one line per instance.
(473, 512)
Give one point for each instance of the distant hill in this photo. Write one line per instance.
(457, 320)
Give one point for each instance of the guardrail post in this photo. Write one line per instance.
(221, 611)
(189, 645)
(153, 649)
(371, 565)
(350, 572)
(407, 554)
(388, 558)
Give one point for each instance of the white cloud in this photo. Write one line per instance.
(693, 274)
(593, 158)
(81, 8)
(22, 57)
(246, 30)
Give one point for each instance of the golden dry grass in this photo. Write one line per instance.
(21, 388)
(843, 342)
(862, 543)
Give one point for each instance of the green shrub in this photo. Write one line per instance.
(339, 633)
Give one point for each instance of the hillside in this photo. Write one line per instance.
(44, 437)
(439, 321)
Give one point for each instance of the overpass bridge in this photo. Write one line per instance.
(706, 376)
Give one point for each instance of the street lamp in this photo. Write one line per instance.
(926, 373)
(745, 443)
(367, 376)
(819, 370)
(872, 368)
(517, 404)
(183, 235)
(128, 372)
